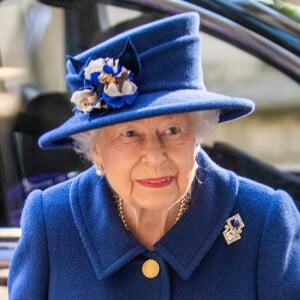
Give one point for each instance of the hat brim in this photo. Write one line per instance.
(147, 106)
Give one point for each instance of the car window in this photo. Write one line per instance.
(271, 133)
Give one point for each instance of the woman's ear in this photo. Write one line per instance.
(97, 160)
(95, 155)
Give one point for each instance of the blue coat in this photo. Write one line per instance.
(74, 245)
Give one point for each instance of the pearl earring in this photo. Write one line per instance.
(99, 169)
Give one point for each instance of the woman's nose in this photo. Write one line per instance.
(153, 152)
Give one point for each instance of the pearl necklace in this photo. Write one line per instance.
(185, 203)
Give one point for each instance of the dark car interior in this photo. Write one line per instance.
(37, 168)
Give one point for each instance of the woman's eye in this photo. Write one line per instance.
(129, 133)
(173, 130)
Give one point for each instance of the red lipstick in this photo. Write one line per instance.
(158, 182)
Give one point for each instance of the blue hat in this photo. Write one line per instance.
(152, 70)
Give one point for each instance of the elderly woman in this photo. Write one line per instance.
(155, 218)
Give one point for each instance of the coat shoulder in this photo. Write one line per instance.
(259, 198)
(55, 201)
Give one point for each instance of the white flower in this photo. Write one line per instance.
(114, 64)
(94, 66)
(119, 86)
(128, 88)
(112, 82)
(84, 100)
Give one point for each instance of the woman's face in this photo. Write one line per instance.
(150, 163)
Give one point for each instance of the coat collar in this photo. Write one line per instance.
(110, 246)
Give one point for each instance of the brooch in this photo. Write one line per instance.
(233, 229)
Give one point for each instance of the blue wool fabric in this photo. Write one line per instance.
(74, 245)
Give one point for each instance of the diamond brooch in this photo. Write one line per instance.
(233, 229)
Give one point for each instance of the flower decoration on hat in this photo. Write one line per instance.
(85, 100)
(107, 83)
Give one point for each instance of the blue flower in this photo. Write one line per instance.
(105, 79)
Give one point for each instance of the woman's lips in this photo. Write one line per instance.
(156, 182)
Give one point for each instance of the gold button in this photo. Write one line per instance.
(150, 268)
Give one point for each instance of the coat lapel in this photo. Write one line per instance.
(108, 244)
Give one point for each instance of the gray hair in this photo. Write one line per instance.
(205, 122)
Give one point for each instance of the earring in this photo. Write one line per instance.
(99, 170)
